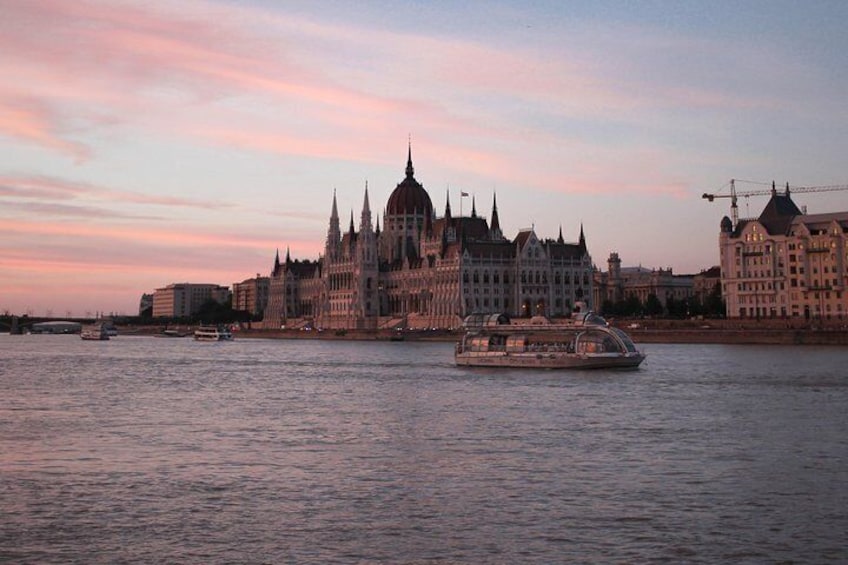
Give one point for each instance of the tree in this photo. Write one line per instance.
(653, 306)
(714, 306)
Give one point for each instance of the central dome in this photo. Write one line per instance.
(409, 197)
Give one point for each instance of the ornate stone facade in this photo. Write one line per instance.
(424, 271)
(785, 263)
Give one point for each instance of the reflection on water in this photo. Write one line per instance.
(166, 450)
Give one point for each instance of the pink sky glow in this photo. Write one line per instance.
(146, 143)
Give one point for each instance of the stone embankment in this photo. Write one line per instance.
(642, 331)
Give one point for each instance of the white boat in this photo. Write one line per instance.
(94, 332)
(587, 341)
(213, 333)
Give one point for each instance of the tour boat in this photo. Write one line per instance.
(586, 341)
(212, 333)
(94, 332)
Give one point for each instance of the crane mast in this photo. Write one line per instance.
(734, 195)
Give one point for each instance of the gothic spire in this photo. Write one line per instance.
(334, 215)
(410, 172)
(582, 242)
(288, 255)
(277, 262)
(365, 221)
(496, 224)
(473, 207)
(447, 205)
(334, 232)
(560, 239)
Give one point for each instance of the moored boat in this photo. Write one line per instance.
(172, 333)
(586, 341)
(213, 333)
(95, 332)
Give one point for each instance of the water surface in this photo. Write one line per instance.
(141, 450)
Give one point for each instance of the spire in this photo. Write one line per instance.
(333, 233)
(365, 220)
(377, 231)
(496, 224)
(447, 205)
(277, 262)
(560, 238)
(350, 230)
(288, 255)
(473, 207)
(410, 172)
(334, 215)
(582, 241)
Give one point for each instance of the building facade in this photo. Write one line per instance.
(185, 299)
(785, 263)
(426, 271)
(251, 295)
(621, 283)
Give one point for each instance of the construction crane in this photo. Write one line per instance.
(734, 195)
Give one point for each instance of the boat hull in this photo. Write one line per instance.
(212, 334)
(549, 360)
(94, 333)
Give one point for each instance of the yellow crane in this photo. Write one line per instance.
(734, 194)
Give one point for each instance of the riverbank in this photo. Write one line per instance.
(655, 331)
(670, 335)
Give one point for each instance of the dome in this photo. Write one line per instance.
(409, 197)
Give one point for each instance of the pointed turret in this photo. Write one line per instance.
(334, 215)
(560, 238)
(495, 228)
(410, 172)
(334, 235)
(447, 206)
(276, 262)
(365, 220)
(288, 256)
(582, 242)
(377, 230)
(473, 207)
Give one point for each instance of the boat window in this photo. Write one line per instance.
(597, 342)
(625, 339)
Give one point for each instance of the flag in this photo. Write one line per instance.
(463, 194)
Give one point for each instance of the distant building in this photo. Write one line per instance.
(426, 271)
(185, 299)
(704, 283)
(785, 263)
(145, 304)
(621, 283)
(251, 295)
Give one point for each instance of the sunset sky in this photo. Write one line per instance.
(147, 143)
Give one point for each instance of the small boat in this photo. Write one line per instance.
(586, 341)
(172, 333)
(213, 333)
(95, 332)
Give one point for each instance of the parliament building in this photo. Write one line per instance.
(426, 271)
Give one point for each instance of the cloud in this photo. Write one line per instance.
(43, 187)
(34, 121)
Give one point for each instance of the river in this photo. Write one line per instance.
(154, 450)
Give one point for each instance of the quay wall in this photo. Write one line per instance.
(661, 331)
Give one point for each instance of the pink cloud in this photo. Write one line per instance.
(29, 120)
